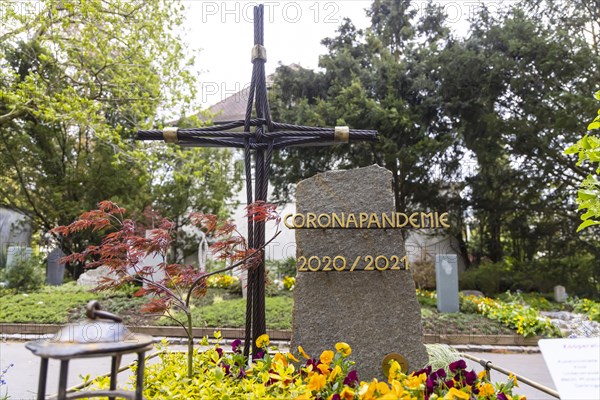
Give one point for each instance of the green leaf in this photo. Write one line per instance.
(587, 223)
(594, 125)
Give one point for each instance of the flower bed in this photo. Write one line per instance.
(221, 281)
(276, 375)
(526, 320)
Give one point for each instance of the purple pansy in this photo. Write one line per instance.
(470, 377)
(235, 346)
(440, 373)
(457, 365)
(501, 396)
(351, 379)
(426, 371)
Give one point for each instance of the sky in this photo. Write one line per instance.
(223, 31)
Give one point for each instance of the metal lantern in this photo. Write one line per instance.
(101, 335)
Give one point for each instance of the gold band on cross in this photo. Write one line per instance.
(341, 134)
(170, 134)
(259, 52)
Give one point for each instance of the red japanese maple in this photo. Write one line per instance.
(122, 249)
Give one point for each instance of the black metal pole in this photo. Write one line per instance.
(259, 326)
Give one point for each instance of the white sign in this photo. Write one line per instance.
(574, 365)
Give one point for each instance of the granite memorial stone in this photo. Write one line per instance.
(446, 277)
(560, 294)
(154, 262)
(352, 285)
(55, 270)
(17, 254)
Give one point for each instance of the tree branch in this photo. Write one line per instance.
(6, 118)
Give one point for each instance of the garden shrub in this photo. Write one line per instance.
(423, 273)
(489, 278)
(27, 275)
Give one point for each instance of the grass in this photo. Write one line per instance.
(232, 313)
(62, 304)
(51, 305)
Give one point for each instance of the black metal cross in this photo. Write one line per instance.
(268, 135)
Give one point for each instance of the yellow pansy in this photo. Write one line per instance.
(326, 357)
(280, 358)
(324, 368)
(414, 382)
(303, 353)
(486, 389)
(383, 388)
(303, 397)
(482, 375)
(514, 379)
(343, 348)
(394, 369)
(291, 357)
(455, 394)
(366, 391)
(347, 394)
(262, 341)
(397, 388)
(336, 371)
(317, 382)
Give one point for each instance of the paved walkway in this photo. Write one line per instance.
(22, 379)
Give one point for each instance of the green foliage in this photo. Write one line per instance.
(489, 278)
(588, 196)
(474, 124)
(578, 273)
(282, 268)
(77, 79)
(25, 275)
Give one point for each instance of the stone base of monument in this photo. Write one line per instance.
(375, 311)
(375, 316)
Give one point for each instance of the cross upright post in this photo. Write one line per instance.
(267, 136)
